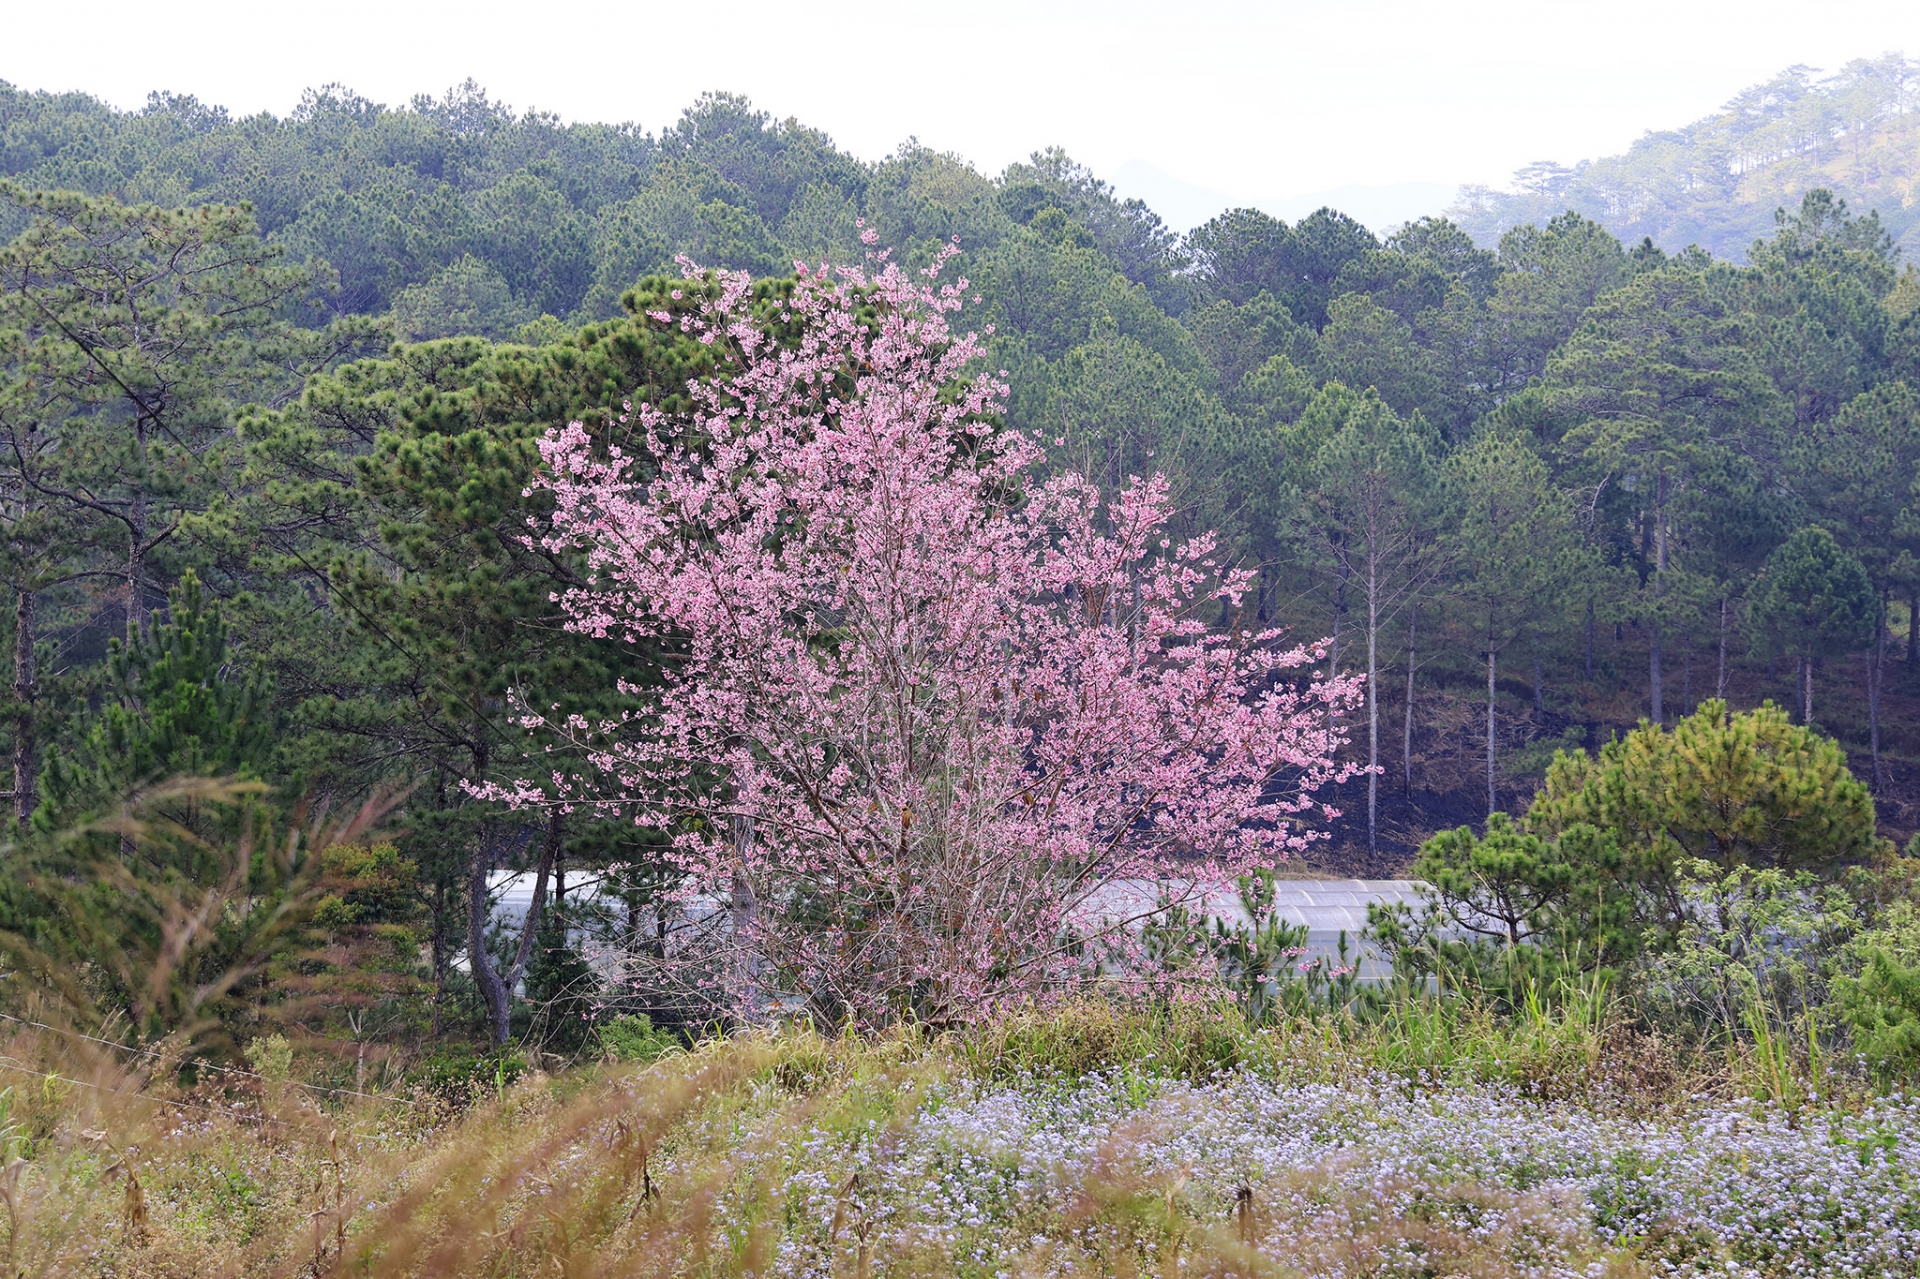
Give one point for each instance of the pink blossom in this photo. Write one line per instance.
(920, 705)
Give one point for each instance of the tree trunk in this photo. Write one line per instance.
(1373, 705)
(1653, 672)
(1539, 692)
(496, 990)
(137, 537)
(1913, 627)
(1493, 796)
(1333, 648)
(1876, 680)
(442, 934)
(25, 746)
(493, 991)
(1719, 680)
(549, 860)
(1659, 585)
(1806, 690)
(1406, 731)
(1589, 662)
(744, 913)
(439, 941)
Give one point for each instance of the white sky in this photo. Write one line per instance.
(1262, 102)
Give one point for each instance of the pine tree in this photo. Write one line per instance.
(1513, 546)
(176, 708)
(1815, 601)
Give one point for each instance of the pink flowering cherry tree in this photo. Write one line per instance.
(919, 707)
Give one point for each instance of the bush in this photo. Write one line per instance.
(1510, 917)
(1734, 789)
(1079, 1037)
(1883, 1006)
(459, 1075)
(1753, 951)
(271, 1058)
(634, 1038)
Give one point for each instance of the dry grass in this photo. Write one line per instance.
(790, 1154)
(682, 1168)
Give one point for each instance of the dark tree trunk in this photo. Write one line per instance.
(1589, 662)
(1876, 680)
(744, 911)
(496, 988)
(1339, 615)
(1406, 729)
(493, 991)
(1806, 691)
(1493, 794)
(1719, 680)
(439, 940)
(1913, 627)
(25, 745)
(442, 911)
(137, 537)
(1654, 636)
(529, 927)
(1653, 672)
(1373, 703)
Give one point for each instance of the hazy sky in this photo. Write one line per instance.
(1260, 102)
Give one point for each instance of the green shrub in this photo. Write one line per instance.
(1883, 1005)
(1736, 789)
(634, 1038)
(459, 1075)
(1074, 1039)
(271, 1058)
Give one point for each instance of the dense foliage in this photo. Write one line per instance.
(294, 376)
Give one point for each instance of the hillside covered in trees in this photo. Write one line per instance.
(288, 373)
(1717, 181)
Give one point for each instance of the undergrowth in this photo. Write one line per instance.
(1092, 1138)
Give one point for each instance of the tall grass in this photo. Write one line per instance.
(683, 1168)
(788, 1153)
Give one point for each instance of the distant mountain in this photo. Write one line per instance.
(1717, 182)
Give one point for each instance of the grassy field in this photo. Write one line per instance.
(1088, 1141)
